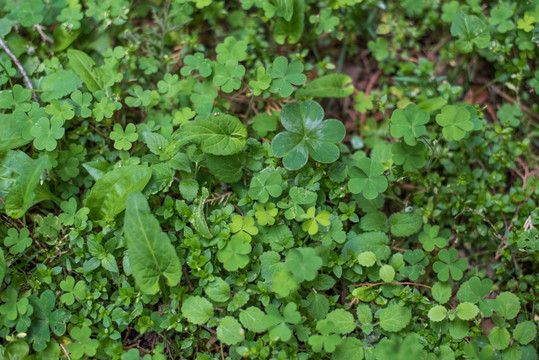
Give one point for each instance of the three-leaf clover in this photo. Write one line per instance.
(60, 110)
(307, 135)
(367, 177)
(303, 264)
(471, 31)
(243, 227)
(46, 319)
(103, 109)
(228, 76)
(455, 122)
(285, 75)
(279, 325)
(47, 132)
(198, 63)
(262, 82)
(449, 265)
(123, 139)
(12, 306)
(410, 157)
(409, 123)
(82, 101)
(313, 220)
(231, 49)
(429, 238)
(266, 183)
(17, 241)
(265, 215)
(72, 290)
(83, 344)
(235, 255)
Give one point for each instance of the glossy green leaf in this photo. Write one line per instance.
(307, 135)
(84, 67)
(218, 135)
(23, 192)
(109, 194)
(151, 255)
(328, 86)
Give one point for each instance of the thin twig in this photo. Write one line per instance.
(21, 69)
(510, 99)
(393, 282)
(64, 350)
(191, 288)
(44, 36)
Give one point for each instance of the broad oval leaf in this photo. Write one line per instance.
(109, 194)
(151, 255)
(84, 67)
(328, 86)
(219, 135)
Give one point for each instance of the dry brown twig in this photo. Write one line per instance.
(19, 66)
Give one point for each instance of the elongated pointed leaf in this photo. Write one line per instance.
(23, 192)
(109, 194)
(328, 86)
(84, 67)
(151, 254)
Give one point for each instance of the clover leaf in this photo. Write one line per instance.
(285, 75)
(262, 82)
(500, 17)
(243, 227)
(235, 255)
(367, 177)
(81, 102)
(198, 63)
(307, 135)
(429, 238)
(266, 183)
(72, 290)
(47, 132)
(456, 121)
(265, 214)
(17, 241)
(410, 157)
(313, 220)
(228, 76)
(60, 110)
(449, 265)
(409, 123)
(104, 109)
(12, 306)
(231, 49)
(46, 319)
(303, 264)
(279, 325)
(123, 139)
(83, 344)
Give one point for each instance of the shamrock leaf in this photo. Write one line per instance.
(235, 255)
(471, 31)
(509, 115)
(46, 132)
(17, 241)
(417, 261)
(12, 307)
(243, 227)
(202, 97)
(455, 122)
(449, 265)
(46, 319)
(379, 49)
(82, 344)
(279, 325)
(228, 76)
(311, 225)
(123, 139)
(72, 290)
(285, 75)
(264, 123)
(81, 102)
(70, 214)
(262, 82)
(367, 177)
(409, 123)
(139, 97)
(169, 85)
(410, 157)
(231, 49)
(500, 17)
(325, 21)
(303, 264)
(308, 134)
(198, 63)
(61, 111)
(363, 103)
(327, 342)
(104, 109)
(17, 98)
(429, 238)
(266, 214)
(526, 23)
(474, 290)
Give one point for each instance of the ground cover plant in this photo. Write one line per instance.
(284, 179)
